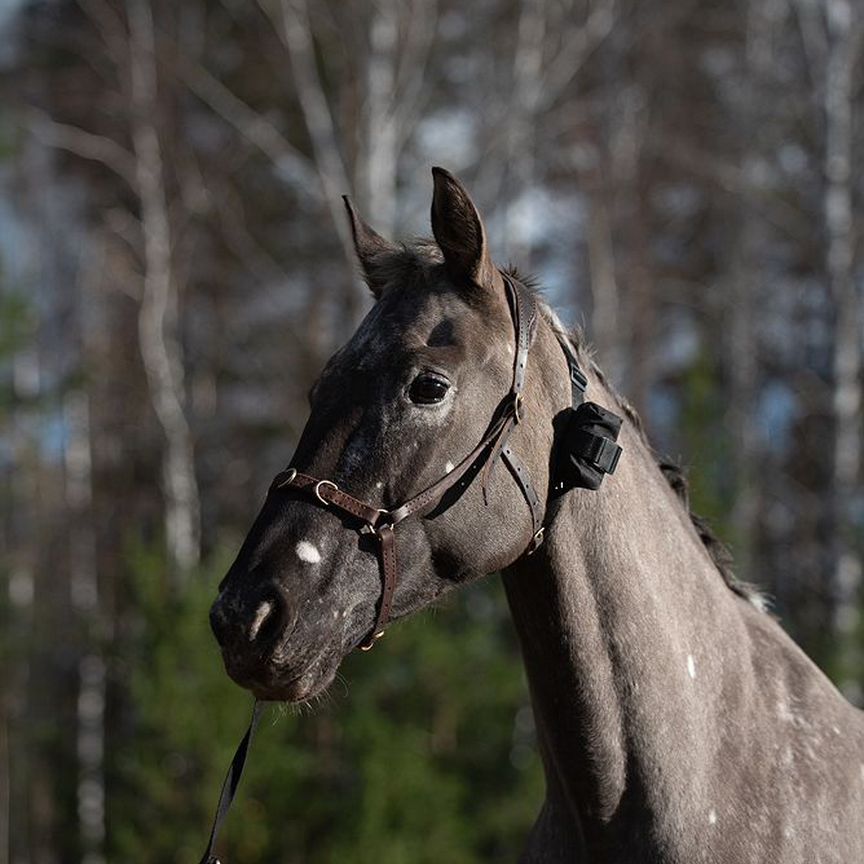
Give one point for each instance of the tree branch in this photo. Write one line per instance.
(578, 44)
(294, 29)
(254, 127)
(87, 145)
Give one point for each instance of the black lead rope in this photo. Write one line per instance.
(230, 784)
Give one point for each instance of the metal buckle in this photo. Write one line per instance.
(371, 643)
(317, 490)
(603, 453)
(577, 376)
(292, 476)
(536, 540)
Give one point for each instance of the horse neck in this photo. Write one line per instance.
(620, 614)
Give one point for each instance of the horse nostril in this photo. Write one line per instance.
(264, 612)
(269, 620)
(247, 631)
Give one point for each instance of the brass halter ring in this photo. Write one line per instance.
(371, 643)
(369, 528)
(292, 474)
(317, 489)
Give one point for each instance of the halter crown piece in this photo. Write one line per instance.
(584, 452)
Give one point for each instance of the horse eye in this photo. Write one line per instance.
(427, 389)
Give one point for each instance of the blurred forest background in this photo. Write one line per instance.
(684, 178)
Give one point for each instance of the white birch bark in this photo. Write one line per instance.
(400, 40)
(392, 94)
(381, 140)
(158, 334)
(296, 32)
(84, 592)
(84, 587)
(523, 118)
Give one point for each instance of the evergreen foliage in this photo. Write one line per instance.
(422, 751)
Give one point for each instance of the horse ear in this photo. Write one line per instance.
(370, 247)
(459, 232)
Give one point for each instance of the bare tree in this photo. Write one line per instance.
(158, 321)
(844, 29)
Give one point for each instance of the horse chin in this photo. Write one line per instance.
(296, 689)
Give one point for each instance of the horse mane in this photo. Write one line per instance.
(674, 474)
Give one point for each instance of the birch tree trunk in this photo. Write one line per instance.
(743, 347)
(295, 29)
(158, 334)
(843, 36)
(84, 582)
(523, 118)
(605, 296)
(379, 172)
(401, 39)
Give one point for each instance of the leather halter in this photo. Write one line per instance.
(381, 522)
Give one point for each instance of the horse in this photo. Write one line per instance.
(676, 720)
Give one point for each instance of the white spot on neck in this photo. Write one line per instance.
(691, 667)
(448, 467)
(783, 712)
(712, 817)
(307, 552)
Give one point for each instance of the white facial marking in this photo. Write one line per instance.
(307, 552)
(260, 617)
(712, 817)
(691, 666)
(448, 467)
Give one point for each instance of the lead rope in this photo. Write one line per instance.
(231, 782)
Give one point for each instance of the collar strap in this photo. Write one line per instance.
(578, 380)
(585, 444)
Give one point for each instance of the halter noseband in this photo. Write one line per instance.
(584, 451)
